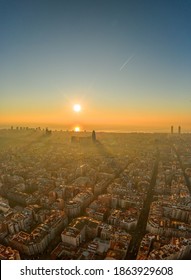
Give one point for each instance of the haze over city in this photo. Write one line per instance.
(127, 63)
(95, 142)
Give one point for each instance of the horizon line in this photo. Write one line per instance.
(40, 128)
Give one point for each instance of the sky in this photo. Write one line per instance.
(127, 63)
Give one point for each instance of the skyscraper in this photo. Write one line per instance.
(179, 129)
(172, 129)
(93, 136)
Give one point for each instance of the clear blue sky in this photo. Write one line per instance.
(127, 62)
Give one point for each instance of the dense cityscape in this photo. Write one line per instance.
(94, 196)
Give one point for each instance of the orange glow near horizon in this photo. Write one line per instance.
(97, 117)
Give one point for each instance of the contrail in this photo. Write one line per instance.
(127, 61)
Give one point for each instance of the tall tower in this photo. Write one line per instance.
(172, 129)
(179, 129)
(93, 136)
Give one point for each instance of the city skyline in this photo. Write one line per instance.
(127, 63)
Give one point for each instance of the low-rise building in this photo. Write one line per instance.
(7, 253)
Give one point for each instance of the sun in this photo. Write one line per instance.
(77, 108)
(77, 129)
